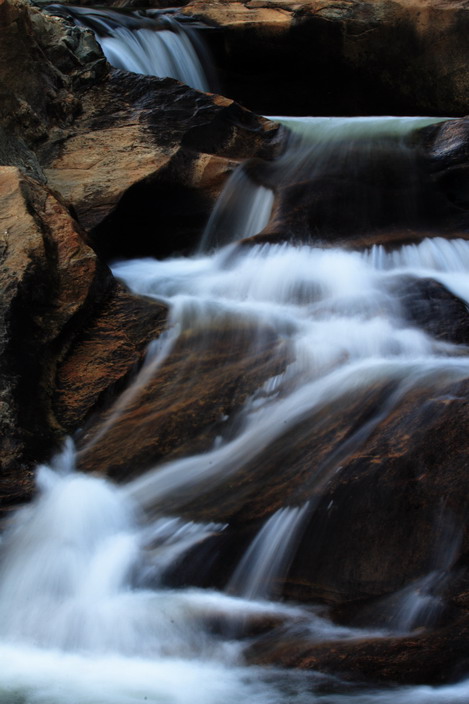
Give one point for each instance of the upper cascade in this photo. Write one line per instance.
(152, 44)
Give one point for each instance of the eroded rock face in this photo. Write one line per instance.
(94, 134)
(68, 333)
(48, 279)
(169, 163)
(355, 58)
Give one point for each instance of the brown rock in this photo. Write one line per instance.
(47, 277)
(104, 352)
(395, 508)
(355, 58)
(93, 136)
(434, 658)
(51, 60)
(179, 408)
(68, 333)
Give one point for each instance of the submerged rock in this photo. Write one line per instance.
(432, 658)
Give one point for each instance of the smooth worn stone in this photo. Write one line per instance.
(178, 408)
(425, 657)
(48, 277)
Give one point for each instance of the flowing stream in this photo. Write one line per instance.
(85, 613)
(152, 43)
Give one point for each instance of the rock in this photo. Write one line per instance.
(52, 60)
(104, 353)
(384, 472)
(383, 515)
(47, 278)
(179, 152)
(433, 658)
(431, 307)
(59, 307)
(393, 189)
(341, 58)
(180, 407)
(94, 135)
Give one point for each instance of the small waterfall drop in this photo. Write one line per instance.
(152, 45)
(269, 554)
(242, 209)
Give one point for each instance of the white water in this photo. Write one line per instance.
(340, 316)
(243, 209)
(159, 46)
(156, 53)
(84, 615)
(269, 555)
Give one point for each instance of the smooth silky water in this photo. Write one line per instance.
(78, 626)
(152, 44)
(85, 617)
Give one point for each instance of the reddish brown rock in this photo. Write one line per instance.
(47, 278)
(95, 136)
(434, 658)
(67, 332)
(104, 352)
(179, 408)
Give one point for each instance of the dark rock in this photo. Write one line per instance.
(354, 58)
(431, 307)
(179, 408)
(433, 658)
(49, 278)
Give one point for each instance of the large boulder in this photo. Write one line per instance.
(95, 135)
(60, 308)
(355, 58)
(49, 278)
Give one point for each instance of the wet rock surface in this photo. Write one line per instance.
(49, 279)
(422, 658)
(95, 156)
(181, 407)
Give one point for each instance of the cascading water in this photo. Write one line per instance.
(85, 615)
(243, 209)
(78, 622)
(154, 45)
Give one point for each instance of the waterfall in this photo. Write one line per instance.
(86, 613)
(269, 554)
(341, 316)
(243, 209)
(154, 45)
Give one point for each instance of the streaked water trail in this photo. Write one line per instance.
(153, 45)
(86, 615)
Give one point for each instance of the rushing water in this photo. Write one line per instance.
(154, 44)
(85, 617)
(79, 624)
